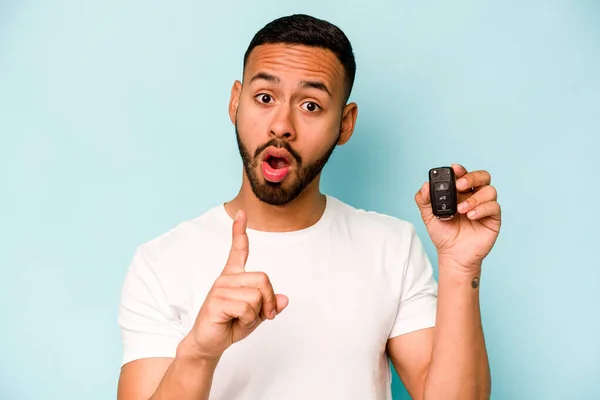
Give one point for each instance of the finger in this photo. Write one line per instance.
(241, 310)
(239, 245)
(459, 170)
(473, 179)
(253, 280)
(486, 194)
(248, 295)
(423, 200)
(422, 196)
(282, 302)
(490, 209)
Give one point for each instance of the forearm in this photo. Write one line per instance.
(187, 378)
(459, 367)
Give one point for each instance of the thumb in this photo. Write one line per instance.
(423, 200)
(282, 302)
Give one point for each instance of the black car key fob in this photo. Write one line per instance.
(442, 189)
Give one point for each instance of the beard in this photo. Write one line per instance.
(300, 176)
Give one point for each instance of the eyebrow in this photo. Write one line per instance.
(265, 77)
(305, 84)
(316, 85)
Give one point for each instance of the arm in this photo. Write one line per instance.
(139, 379)
(459, 363)
(183, 377)
(449, 361)
(411, 354)
(235, 306)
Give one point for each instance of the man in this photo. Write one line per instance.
(306, 297)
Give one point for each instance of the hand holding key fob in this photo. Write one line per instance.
(442, 190)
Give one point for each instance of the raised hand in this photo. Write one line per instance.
(467, 238)
(237, 303)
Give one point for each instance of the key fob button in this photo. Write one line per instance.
(442, 186)
(443, 206)
(445, 197)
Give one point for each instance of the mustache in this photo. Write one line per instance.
(281, 145)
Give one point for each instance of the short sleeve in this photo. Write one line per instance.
(418, 299)
(149, 325)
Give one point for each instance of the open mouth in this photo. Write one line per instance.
(276, 165)
(276, 162)
(277, 158)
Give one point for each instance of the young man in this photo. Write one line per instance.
(286, 293)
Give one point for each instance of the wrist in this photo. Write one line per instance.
(187, 351)
(449, 264)
(459, 274)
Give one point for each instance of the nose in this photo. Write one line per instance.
(282, 125)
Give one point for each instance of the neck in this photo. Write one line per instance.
(300, 213)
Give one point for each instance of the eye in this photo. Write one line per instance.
(264, 98)
(311, 106)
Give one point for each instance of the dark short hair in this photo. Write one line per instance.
(309, 31)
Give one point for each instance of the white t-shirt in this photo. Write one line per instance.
(354, 280)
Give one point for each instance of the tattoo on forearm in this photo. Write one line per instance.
(475, 282)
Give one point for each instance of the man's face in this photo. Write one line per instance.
(289, 116)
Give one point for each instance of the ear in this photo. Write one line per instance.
(234, 100)
(349, 115)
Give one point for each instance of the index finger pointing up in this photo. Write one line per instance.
(239, 245)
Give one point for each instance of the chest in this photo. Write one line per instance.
(342, 298)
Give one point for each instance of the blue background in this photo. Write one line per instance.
(114, 128)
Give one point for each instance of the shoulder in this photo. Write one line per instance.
(180, 244)
(169, 265)
(372, 222)
(388, 240)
